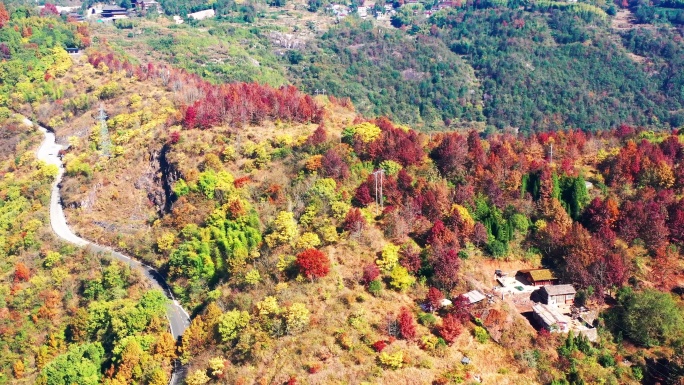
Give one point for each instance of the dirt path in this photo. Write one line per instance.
(178, 318)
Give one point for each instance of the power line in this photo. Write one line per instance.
(105, 143)
(379, 201)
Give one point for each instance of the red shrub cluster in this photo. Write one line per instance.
(370, 273)
(209, 105)
(379, 346)
(250, 103)
(21, 272)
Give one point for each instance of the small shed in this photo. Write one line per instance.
(558, 294)
(539, 277)
(71, 49)
(551, 318)
(474, 296)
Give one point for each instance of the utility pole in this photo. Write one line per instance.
(105, 144)
(379, 175)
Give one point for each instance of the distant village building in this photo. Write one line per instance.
(147, 5)
(71, 50)
(201, 15)
(539, 277)
(75, 16)
(558, 294)
(61, 9)
(113, 12)
(339, 10)
(178, 20)
(107, 12)
(362, 12)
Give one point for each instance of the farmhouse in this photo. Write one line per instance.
(558, 294)
(551, 318)
(539, 277)
(113, 12)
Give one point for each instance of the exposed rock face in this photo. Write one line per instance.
(159, 180)
(286, 40)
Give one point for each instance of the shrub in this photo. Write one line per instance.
(297, 317)
(379, 346)
(375, 287)
(392, 361)
(370, 273)
(481, 334)
(427, 319)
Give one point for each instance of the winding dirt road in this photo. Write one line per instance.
(178, 318)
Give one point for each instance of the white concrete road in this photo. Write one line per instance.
(178, 318)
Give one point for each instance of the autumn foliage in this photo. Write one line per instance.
(240, 104)
(21, 272)
(208, 105)
(407, 324)
(450, 329)
(4, 15)
(313, 263)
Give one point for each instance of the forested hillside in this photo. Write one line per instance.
(316, 244)
(66, 315)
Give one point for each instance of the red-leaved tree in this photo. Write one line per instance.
(313, 263)
(362, 197)
(354, 222)
(370, 273)
(319, 136)
(434, 299)
(450, 329)
(407, 324)
(4, 15)
(21, 272)
(49, 9)
(334, 166)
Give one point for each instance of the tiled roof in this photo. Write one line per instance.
(559, 289)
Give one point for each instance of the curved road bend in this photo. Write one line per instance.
(178, 318)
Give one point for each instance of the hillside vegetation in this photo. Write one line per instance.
(261, 206)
